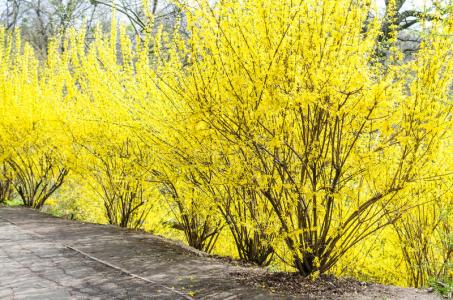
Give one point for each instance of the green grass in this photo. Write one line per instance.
(444, 287)
(54, 211)
(14, 202)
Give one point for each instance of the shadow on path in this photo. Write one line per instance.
(43, 257)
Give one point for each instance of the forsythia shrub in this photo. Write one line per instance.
(330, 138)
(31, 130)
(273, 126)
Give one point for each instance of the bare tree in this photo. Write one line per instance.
(11, 13)
(42, 20)
(164, 12)
(405, 19)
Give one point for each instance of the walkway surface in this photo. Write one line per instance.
(42, 257)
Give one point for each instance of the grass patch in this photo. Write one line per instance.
(442, 287)
(14, 202)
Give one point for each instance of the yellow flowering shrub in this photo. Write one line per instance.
(272, 131)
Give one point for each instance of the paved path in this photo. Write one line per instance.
(42, 257)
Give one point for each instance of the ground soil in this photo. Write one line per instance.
(330, 287)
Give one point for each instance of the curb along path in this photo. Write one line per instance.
(43, 257)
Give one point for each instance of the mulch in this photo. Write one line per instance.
(325, 286)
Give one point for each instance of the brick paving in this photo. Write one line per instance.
(42, 257)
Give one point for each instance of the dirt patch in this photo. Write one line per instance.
(328, 287)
